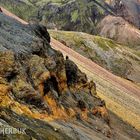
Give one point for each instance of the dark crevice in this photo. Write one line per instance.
(46, 87)
(32, 101)
(11, 76)
(41, 31)
(81, 104)
(29, 78)
(40, 104)
(71, 72)
(50, 84)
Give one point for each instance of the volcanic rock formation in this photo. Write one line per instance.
(37, 83)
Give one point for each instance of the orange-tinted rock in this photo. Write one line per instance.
(36, 81)
(101, 111)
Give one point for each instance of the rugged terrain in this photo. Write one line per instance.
(51, 96)
(127, 9)
(116, 20)
(121, 96)
(36, 82)
(76, 15)
(124, 26)
(47, 95)
(118, 59)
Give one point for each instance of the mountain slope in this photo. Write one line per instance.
(122, 97)
(118, 29)
(55, 129)
(19, 7)
(39, 90)
(83, 15)
(116, 58)
(79, 15)
(128, 9)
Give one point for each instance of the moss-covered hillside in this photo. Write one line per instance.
(79, 15)
(76, 15)
(116, 58)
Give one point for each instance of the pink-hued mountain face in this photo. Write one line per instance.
(118, 29)
(129, 10)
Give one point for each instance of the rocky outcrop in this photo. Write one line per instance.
(37, 82)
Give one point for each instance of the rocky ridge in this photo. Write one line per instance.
(36, 82)
(44, 93)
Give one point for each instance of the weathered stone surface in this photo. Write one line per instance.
(36, 81)
(46, 94)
